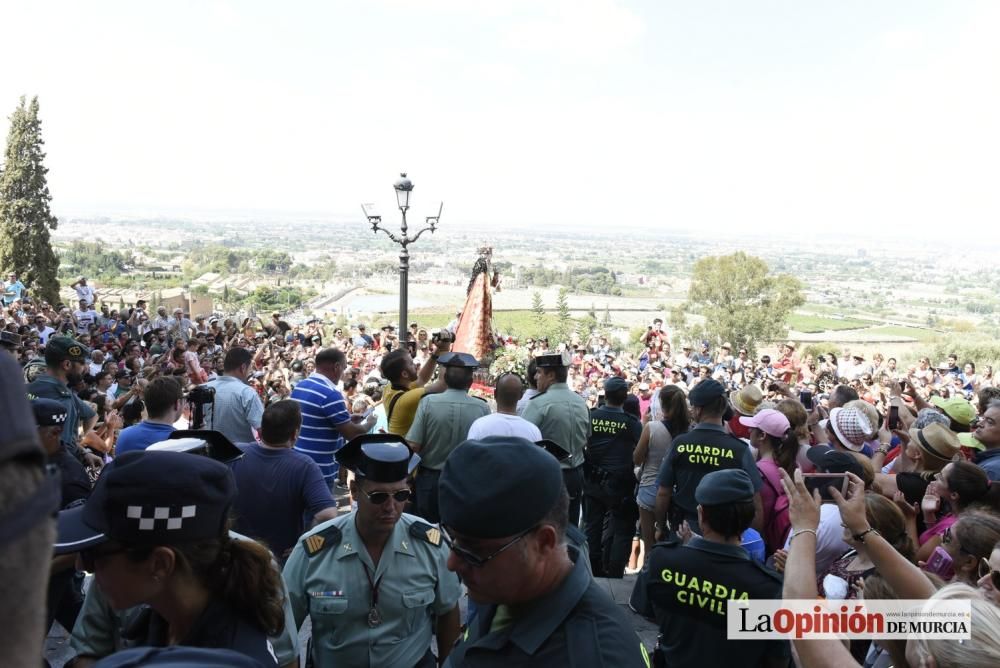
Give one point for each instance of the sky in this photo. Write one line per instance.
(877, 118)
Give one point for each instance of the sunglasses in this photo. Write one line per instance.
(399, 496)
(88, 558)
(474, 559)
(985, 569)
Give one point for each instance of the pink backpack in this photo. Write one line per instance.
(776, 522)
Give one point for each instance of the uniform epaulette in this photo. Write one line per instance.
(319, 541)
(482, 399)
(537, 395)
(426, 532)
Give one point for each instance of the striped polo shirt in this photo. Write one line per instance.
(323, 409)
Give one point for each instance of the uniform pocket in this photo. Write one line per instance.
(417, 604)
(328, 606)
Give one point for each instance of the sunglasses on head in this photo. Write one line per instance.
(985, 569)
(399, 496)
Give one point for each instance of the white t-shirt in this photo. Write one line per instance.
(830, 544)
(85, 292)
(84, 319)
(501, 424)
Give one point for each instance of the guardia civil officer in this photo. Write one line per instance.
(610, 511)
(562, 416)
(693, 455)
(689, 585)
(442, 422)
(65, 593)
(375, 582)
(154, 531)
(503, 508)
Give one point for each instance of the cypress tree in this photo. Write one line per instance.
(25, 218)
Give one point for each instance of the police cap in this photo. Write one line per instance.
(10, 339)
(615, 384)
(144, 499)
(212, 444)
(554, 449)
(706, 392)
(48, 412)
(178, 657)
(553, 360)
(61, 348)
(497, 486)
(461, 360)
(378, 457)
(725, 486)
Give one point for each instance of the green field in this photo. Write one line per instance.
(912, 332)
(810, 324)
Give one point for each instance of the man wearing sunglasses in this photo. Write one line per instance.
(504, 516)
(375, 582)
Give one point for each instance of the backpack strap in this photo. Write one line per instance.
(392, 404)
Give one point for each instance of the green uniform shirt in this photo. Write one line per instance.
(442, 422)
(562, 416)
(331, 586)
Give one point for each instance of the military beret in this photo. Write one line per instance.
(378, 457)
(49, 412)
(553, 360)
(60, 348)
(615, 384)
(725, 486)
(10, 339)
(706, 392)
(498, 486)
(461, 360)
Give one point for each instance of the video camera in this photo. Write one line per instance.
(441, 335)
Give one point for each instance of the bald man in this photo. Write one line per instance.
(506, 421)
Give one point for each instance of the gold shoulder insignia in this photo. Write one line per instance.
(314, 544)
(317, 542)
(426, 532)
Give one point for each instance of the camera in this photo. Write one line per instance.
(201, 395)
(442, 335)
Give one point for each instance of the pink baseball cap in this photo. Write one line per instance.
(771, 422)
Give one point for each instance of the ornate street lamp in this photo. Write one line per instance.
(404, 189)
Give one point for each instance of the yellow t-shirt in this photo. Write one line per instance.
(403, 409)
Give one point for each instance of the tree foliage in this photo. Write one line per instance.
(92, 259)
(564, 325)
(539, 310)
(25, 218)
(741, 301)
(599, 280)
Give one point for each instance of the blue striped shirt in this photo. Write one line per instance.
(323, 410)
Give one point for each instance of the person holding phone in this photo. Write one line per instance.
(830, 544)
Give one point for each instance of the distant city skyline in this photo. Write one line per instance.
(875, 119)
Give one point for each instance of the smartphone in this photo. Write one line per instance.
(412, 347)
(940, 563)
(893, 418)
(824, 481)
(806, 397)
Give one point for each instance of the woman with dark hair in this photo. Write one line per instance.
(777, 447)
(649, 452)
(955, 488)
(167, 545)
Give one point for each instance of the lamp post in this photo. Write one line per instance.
(403, 188)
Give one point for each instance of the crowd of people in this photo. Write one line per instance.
(518, 486)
